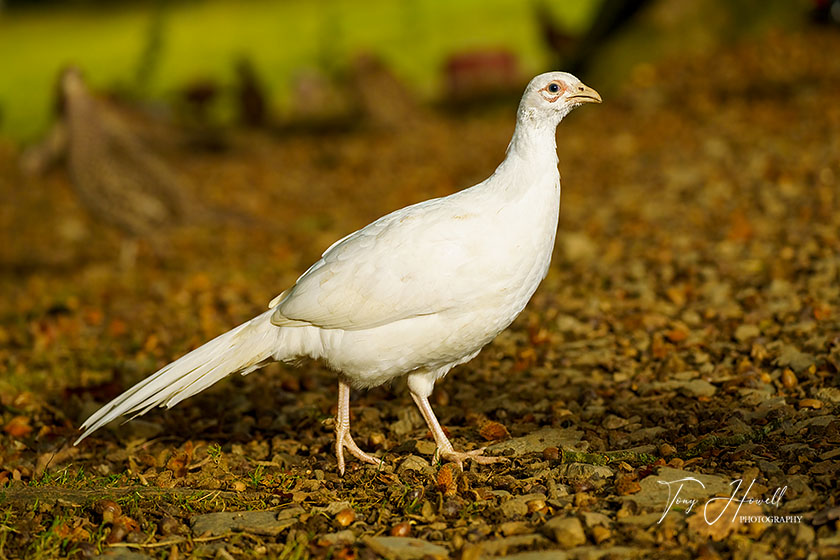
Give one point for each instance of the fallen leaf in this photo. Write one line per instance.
(494, 431)
(18, 427)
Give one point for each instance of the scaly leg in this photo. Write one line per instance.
(444, 447)
(342, 431)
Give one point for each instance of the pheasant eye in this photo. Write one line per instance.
(553, 87)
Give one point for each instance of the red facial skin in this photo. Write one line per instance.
(552, 96)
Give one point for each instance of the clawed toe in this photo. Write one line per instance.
(358, 453)
(477, 455)
(444, 446)
(346, 442)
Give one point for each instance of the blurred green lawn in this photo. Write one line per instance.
(203, 39)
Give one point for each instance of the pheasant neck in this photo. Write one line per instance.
(531, 154)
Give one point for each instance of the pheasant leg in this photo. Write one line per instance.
(444, 447)
(342, 431)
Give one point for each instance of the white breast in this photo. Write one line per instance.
(499, 260)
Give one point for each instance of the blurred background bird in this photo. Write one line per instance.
(116, 178)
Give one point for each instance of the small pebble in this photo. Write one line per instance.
(551, 453)
(512, 528)
(345, 517)
(536, 505)
(666, 450)
(789, 378)
(238, 486)
(810, 403)
(747, 332)
(582, 499)
(600, 534)
(401, 529)
(452, 506)
(168, 525)
(414, 495)
(566, 531)
(117, 534)
(109, 510)
(427, 510)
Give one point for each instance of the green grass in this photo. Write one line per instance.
(203, 39)
(257, 476)
(5, 530)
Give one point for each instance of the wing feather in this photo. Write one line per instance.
(402, 265)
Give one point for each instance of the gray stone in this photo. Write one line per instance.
(805, 497)
(828, 394)
(518, 505)
(121, 554)
(593, 518)
(797, 361)
(816, 421)
(596, 475)
(511, 528)
(513, 508)
(498, 547)
(426, 447)
(269, 523)
(654, 493)
(399, 548)
(566, 531)
(332, 509)
(768, 468)
(408, 418)
(555, 491)
(645, 434)
(536, 441)
(341, 537)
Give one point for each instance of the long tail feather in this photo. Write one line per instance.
(241, 350)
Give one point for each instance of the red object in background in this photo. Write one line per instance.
(482, 73)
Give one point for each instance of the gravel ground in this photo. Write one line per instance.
(689, 327)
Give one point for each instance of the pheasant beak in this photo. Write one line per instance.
(585, 94)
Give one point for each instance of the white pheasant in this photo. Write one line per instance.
(415, 293)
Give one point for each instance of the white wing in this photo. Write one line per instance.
(416, 261)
